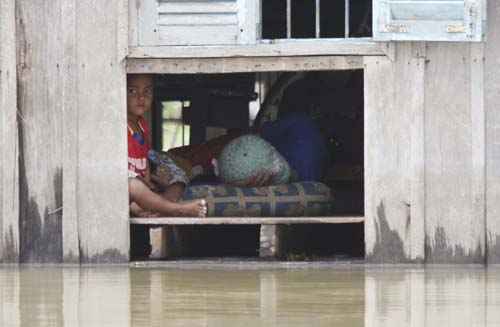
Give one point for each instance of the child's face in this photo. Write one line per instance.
(139, 94)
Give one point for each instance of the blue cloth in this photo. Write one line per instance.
(299, 140)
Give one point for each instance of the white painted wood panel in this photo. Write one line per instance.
(192, 35)
(424, 20)
(197, 7)
(197, 19)
(189, 23)
(9, 205)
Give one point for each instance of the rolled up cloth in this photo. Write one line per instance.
(165, 169)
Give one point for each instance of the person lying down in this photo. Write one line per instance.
(147, 199)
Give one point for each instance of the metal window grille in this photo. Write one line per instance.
(356, 16)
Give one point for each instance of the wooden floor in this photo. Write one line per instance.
(247, 220)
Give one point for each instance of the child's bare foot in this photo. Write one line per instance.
(196, 208)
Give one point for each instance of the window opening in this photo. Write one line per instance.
(175, 132)
(209, 106)
(298, 19)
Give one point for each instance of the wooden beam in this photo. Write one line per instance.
(246, 220)
(242, 65)
(9, 196)
(274, 48)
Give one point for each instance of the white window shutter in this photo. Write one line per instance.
(196, 22)
(429, 20)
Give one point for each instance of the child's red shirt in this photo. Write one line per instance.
(137, 152)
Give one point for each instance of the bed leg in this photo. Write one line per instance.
(162, 243)
(272, 241)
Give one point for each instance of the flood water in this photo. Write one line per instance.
(249, 295)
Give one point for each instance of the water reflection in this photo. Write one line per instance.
(347, 296)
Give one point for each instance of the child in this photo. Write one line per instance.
(143, 201)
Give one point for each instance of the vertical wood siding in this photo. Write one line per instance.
(9, 205)
(424, 154)
(454, 220)
(492, 103)
(71, 79)
(102, 197)
(40, 76)
(394, 157)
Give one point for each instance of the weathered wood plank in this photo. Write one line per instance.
(102, 197)
(71, 251)
(455, 222)
(242, 65)
(394, 156)
(492, 100)
(40, 103)
(133, 19)
(9, 197)
(277, 48)
(417, 156)
(245, 220)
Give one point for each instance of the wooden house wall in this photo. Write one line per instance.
(431, 152)
(425, 152)
(71, 101)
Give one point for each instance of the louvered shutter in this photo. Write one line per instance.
(429, 20)
(196, 22)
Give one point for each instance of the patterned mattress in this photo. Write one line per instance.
(288, 200)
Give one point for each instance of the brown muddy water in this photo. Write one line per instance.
(249, 295)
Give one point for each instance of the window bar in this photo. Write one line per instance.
(288, 19)
(346, 20)
(317, 18)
